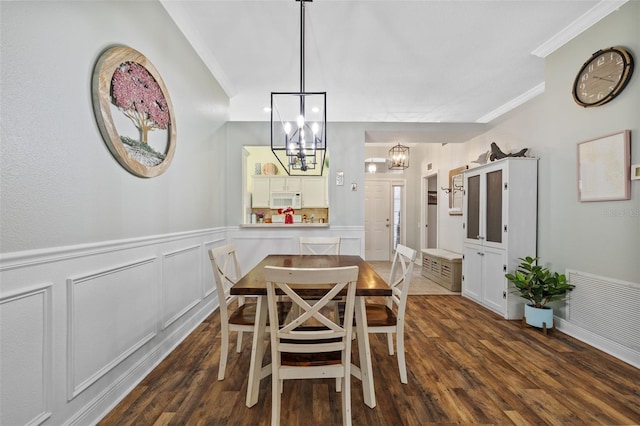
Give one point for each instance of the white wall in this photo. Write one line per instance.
(60, 184)
(102, 273)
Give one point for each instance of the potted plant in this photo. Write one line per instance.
(539, 286)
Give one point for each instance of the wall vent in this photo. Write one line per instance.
(606, 307)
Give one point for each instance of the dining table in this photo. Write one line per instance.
(254, 284)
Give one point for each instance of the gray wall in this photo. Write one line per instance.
(60, 184)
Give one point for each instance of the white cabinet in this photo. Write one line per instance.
(313, 189)
(260, 192)
(314, 192)
(500, 216)
(285, 184)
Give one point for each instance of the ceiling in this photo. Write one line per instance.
(421, 64)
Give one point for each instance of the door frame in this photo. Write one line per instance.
(394, 181)
(423, 209)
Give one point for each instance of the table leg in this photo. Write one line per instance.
(364, 351)
(257, 351)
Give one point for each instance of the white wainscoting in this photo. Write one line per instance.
(81, 326)
(25, 356)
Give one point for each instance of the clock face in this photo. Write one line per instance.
(602, 77)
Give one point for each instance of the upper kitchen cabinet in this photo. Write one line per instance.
(314, 192)
(286, 184)
(260, 191)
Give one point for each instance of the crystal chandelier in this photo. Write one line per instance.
(298, 123)
(399, 157)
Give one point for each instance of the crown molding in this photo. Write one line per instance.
(588, 19)
(529, 94)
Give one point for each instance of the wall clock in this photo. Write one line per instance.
(603, 76)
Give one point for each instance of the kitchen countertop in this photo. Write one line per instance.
(284, 225)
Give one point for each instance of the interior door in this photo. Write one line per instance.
(377, 220)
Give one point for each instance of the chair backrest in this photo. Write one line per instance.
(320, 245)
(311, 329)
(226, 272)
(400, 277)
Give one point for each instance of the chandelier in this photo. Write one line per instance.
(398, 157)
(298, 123)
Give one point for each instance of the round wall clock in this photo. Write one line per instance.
(133, 111)
(603, 77)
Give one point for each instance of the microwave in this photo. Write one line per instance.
(282, 200)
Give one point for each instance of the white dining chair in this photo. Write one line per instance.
(226, 272)
(388, 317)
(319, 245)
(313, 343)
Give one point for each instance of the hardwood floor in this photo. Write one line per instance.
(466, 365)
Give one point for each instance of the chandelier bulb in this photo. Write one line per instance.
(287, 128)
(300, 121)
(315, 128)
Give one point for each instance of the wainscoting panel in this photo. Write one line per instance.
(111, 313)
(25, 356)
(182, 287)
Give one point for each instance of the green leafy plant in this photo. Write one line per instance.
(538, 285)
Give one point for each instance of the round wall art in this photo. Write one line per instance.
(133, 111)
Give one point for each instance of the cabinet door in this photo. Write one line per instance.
(314, 192)
(472, 208)
(285, 184)
(494, 282)
(493, 201)
(260, 194)
(472, 272)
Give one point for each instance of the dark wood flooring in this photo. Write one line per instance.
(466, 365)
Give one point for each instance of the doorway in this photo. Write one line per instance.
(430, 211)
(384, 218)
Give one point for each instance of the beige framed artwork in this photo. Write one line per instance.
(133, 111)
(604, 168)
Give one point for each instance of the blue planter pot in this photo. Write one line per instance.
(538, 317)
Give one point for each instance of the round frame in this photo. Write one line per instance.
(582, 77)
(110, 60)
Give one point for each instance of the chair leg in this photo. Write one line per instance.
(239, 345)
(402, 366)
(390, 343)
(276, 390)
(346, 401)
(224, 350)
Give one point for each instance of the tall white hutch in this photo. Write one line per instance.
(500, 226)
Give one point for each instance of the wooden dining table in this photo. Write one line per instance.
(369, 284)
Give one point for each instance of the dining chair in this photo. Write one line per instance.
(388, 317)
(226, 272)
(319, 245)
(312, 343)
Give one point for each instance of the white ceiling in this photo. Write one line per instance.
(383, 60)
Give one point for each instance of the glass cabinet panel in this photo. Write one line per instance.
(494, 207)
(473, 207)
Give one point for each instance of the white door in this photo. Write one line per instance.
(377, 220)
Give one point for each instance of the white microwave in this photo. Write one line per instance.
(282, 200)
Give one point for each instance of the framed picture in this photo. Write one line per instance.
(604, 167)
(133, 111)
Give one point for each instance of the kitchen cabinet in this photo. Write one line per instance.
(499, 224)
(314, 192)
(285, 184)
(260, 192)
